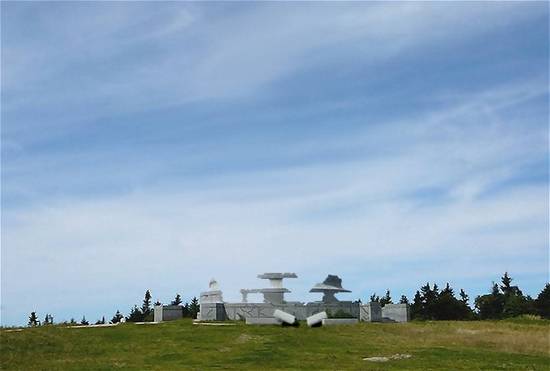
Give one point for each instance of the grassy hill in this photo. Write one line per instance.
(504, 345)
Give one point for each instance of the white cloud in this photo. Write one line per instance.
(360, 211)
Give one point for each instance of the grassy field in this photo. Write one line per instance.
(505, 345)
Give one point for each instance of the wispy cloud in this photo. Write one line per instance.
(139, 56)
(143, 142)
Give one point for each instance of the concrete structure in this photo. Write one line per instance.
(339, 321)
(213, 308)
(330, 286)
(167, 312)
(213, 295)
(263, 321)
(371, 312)
(396, 312)
(275, 293)
(316, 319)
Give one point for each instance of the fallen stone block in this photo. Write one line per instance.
(339, 321)
(284, 316)
(316, 319)
(263, 321)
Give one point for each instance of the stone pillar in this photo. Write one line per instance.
(371, 312)
(157, 313)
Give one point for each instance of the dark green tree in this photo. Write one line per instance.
(417, 306)
(135, 315)
(490, 306)
(33, 320)
(194, 307)
(542, 302)
(100, 321)
(506, 286)
(157, 303)
(448, 307)
(146, 306)
(185, 310)
(429, 299)
(386, 299)
(403, 300)
(177, 300)
(83, 321)
(374, 298)
(464, 297)
(117, 317)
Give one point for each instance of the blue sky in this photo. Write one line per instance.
(157, 145)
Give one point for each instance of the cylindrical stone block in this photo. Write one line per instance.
(316, 318)
(284, 316)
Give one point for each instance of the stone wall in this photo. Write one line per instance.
(212, 312)
(396, 312)
(172, 312)
(371, 312)
(237, 311)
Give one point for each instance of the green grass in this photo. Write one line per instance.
(483, 345)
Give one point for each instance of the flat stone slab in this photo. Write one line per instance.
(263, 321)
(94, 326)
(212, 323)
(339, 321)
(386, 359)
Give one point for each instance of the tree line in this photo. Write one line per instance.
(142, 313)
(429, 303)
(504, 301)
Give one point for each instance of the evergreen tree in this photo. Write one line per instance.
(177, 300)
(429, 298)
(72, 322)
(490, 306)
(100, 321)
(33, 320)
(146, 306)
(542, 302)
(135, 315)
(374, 298)
(386, 299)
(464, 297)
(447, 306)
(448, 290)
(403, 300)
(83, 321)
(417, 306)
(186, 310)
(117, 317)
(194, 307)
(435, 291)
(157, 303)
(46, 320)
(506, 284)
